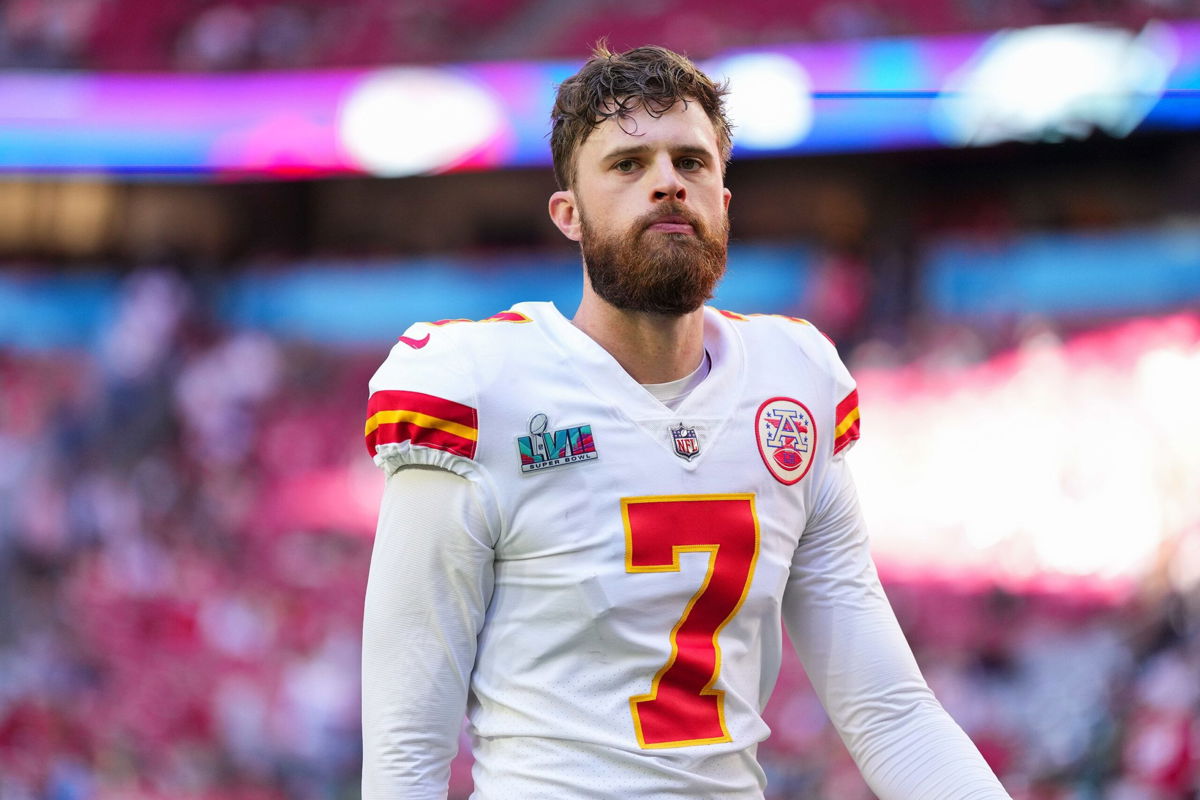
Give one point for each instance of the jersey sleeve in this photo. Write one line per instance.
(845, 396)
(840, 389)
(422, 408)
(428, 589)
(845, 416)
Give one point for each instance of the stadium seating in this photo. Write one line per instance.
(186, 517)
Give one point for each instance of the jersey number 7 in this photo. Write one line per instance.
(682, 707)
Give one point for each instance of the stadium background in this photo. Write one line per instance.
(199, 271)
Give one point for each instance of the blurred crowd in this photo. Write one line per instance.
(159, 638)
(185, 507)
(1068, 696)
(213, 35)
(171, 628)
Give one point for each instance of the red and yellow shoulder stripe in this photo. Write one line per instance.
(745, 317)
(798, 320)
(423, 420)
(845, 428)
(503, 316)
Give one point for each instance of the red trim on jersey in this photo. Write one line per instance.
(503, 316)
(395, 416)
(847, 411)
(851, 434)
(419, 436)
(394, 399)
(848, 404)
(508, 316)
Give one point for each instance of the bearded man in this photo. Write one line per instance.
(593, 528)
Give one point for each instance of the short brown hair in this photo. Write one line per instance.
(617, 84)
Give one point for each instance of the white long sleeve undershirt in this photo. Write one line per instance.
(431, 579)
(428, 589)
(862, 668)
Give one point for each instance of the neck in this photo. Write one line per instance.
(652, 348)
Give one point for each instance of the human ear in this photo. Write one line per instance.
(564, 213)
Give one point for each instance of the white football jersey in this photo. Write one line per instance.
(641, 555)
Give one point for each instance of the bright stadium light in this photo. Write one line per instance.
(770, 99)
(1072, 460)
(1054, 82)
(408, 121)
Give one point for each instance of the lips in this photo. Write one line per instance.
(672, 223)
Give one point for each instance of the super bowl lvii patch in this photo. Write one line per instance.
(544, 448)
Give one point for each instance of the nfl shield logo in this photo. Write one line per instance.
(687, 446)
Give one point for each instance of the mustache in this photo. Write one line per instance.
(667, 211)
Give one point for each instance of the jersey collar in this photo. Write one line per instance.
(712, 402)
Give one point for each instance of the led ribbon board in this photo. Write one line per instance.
(1045, 83)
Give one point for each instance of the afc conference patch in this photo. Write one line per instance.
(787, 438)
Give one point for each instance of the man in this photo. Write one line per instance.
(593, 527)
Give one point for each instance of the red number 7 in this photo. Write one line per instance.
(682, 707)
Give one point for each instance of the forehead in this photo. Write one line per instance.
(682, 125)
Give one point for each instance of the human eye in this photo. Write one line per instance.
(690, 164)
(625, 165)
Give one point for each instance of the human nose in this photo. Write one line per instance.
(666, 181)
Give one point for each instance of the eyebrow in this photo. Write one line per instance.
(642, 149)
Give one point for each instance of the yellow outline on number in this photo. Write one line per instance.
(712, 549)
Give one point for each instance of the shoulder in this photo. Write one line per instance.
(779, 331)
(439, 354)
(779, 334)
(423, 404)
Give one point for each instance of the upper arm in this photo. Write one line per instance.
(430, 583)
(423, 407)
(837, 614)
(861, 666)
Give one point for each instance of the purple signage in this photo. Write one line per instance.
(966, 90)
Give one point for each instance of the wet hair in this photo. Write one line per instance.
(618, 84)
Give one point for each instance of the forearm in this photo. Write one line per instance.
(905, 744)
(428, 589)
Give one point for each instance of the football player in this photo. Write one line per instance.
(594, 526)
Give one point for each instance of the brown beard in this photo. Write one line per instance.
(653, 272)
